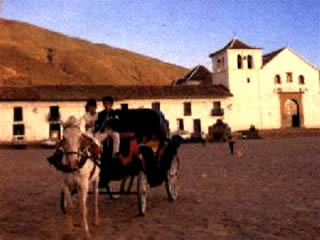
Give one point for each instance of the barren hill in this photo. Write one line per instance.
(30, 55)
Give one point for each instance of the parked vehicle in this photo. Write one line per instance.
(185, 135)
(49, 143)
(198, 137)
(19, 142)
(252, 133)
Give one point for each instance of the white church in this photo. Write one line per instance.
(276, 90)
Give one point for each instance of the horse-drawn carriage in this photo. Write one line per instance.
(146, 153)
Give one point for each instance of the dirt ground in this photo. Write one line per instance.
(268, 190)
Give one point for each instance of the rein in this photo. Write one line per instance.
(69, 153)
(85, 152)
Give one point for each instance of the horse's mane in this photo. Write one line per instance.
(72, 121)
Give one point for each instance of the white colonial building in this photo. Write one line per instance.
(276, 90)
(37, 112)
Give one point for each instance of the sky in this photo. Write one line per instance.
(182, 32)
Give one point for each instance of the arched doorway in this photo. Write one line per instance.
(291, 109)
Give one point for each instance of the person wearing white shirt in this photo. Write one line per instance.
(90, 117)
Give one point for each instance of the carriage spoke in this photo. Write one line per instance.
(142, 187)
(172, 179)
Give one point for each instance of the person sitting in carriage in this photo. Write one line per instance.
(90, 117)
(92, 123)
(164, 123)
(106, 125)
(106, 129)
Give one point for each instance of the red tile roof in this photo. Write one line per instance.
(234, 44)
(199, 74)
(82, 93)
(268, 57)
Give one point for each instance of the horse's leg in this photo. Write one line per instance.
(69, 205)
(95, 202)
(83, 206)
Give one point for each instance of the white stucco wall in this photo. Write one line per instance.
(289, 61)
(233, 54)
(244, 85)
(35, 114)
(174, 109)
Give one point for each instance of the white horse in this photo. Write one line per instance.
(81, 171)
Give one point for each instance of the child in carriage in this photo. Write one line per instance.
(90, 117)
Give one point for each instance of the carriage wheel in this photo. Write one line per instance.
(172, 179)
(63, 202)
(142, 192)
(114, 188)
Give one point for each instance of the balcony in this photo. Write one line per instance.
(217, 112)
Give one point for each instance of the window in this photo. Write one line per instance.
(156, 106)
(248, 80)
(250, 62)
(239, 62)
(217, 110)
(18, 129)
(289, 77)
(219, 65)
(217, 105)
(222, 62)
(54, 113)
(124, 106)
(180, 124)
(301, 79)
(277, 79)
(17, 114)
(187, 109)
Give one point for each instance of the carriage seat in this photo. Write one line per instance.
(127, 135)
(154, 143)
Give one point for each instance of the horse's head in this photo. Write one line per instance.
(71, 141)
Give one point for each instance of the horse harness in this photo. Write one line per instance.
(88, 150)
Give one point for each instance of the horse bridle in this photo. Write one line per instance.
(80, 153)
(70, 153)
